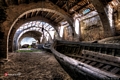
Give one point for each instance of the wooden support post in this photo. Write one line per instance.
(100, 50)
(113, 52)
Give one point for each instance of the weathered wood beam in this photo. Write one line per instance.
(26, 15)
(84, 6)
(89, 17)
(19, 1)
(37, 12)
(52, 16)
(57, 18)
(46, 26)
(47, 14)
(57, 2)
(64, 5)
(32, 14)
(7, 3)
(76, 3)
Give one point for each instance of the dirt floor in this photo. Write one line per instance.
(33, 66)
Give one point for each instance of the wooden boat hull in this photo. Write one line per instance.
(79, 70)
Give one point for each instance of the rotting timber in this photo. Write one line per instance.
(88, 61)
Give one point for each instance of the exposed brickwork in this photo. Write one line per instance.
(117, 20)
(103, 16)
(91, 29)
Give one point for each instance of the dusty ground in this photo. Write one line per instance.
(33, 66)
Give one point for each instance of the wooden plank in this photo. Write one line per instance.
(102, 56)
(95, 60)
(100, 45)
(115, 70)
(107, 67)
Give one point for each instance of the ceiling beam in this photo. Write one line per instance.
(74, 4)
(64, 5)
(57, 18)
(52, 16)
(26, 15)
(22, 1)
(19, 1)
(62, 20)
(33, 13)
(46, 26)
(87, 7)
(78, 4)
(6, 1)
(37, 12)
(49, 28)
(47, 14)
(57, 1)
(42, 13)
(84, 6)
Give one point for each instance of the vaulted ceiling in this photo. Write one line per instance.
(71, 7)
(68, 7)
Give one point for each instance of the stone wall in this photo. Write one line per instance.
(117, 20)
(12, 14)
(3, 39)
(67, 34)
(91, 29)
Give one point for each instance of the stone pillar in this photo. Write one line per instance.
(104, 18)
(119, 13)
(76, 36)
(80, 29)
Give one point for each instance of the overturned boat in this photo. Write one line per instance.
(88, 61)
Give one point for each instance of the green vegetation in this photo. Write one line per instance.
(28, 51)
(29, 46)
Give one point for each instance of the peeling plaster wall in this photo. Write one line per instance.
(91, 29)
(117, 20)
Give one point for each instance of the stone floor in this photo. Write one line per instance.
(33, 66)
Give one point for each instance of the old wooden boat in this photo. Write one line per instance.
(88, 61)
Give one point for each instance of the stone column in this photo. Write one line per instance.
(104, 18)
(76, 36)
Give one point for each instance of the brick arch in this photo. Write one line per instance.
(27, 34)
(38, 9)
(108, 31)
(13, 13)
(33, 33)
(21, 22)
(52, 9)
(16, 45)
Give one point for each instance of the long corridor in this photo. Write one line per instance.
(33, 66)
